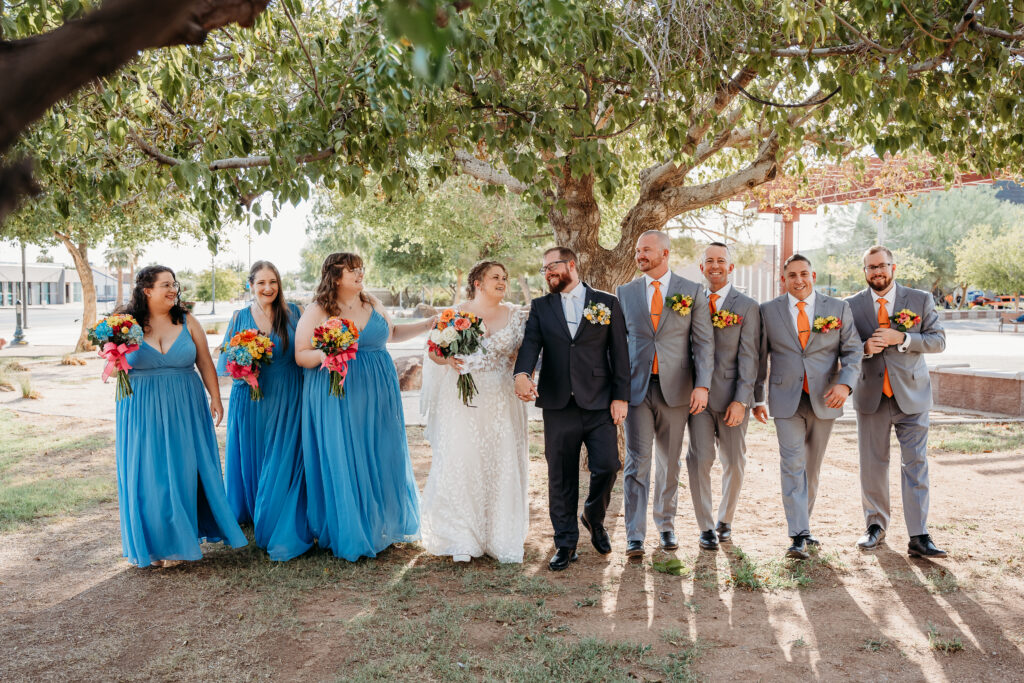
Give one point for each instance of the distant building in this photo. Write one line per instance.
(759, 280)
(52, 283)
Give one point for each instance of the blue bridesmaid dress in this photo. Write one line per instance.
(169, 485)
(263, 463)
(359, 479)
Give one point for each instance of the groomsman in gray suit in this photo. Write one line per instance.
(724, 423)
(815, 355)
(671, 358)
(894, 392)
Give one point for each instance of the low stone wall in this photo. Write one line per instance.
(988, 391)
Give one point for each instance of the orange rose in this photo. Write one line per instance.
(447, 314)
(462, 324)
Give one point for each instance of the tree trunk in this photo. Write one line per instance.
(80, 255)
(120, 287)
(525, 286)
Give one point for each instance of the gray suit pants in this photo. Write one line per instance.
(653, 422)
(802, 442)
(873, 431)
(707, 429)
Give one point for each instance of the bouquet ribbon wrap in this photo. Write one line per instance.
(115, 355)
(337, 363)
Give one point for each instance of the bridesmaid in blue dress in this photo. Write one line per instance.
(169, 485)
(359, 480)
(263, 464)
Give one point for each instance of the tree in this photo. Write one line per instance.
(992, 260)
(119, 259)
(230, 285)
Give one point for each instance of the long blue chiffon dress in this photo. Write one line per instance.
(359, 479)
(263, 469)
(169, 485)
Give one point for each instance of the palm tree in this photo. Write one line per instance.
(120, 259)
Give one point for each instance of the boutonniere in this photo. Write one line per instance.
(680, 303)
(905, 319)
(825, 324)
(724, 318)
(598, 314)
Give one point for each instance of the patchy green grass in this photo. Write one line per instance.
(29, 488)
(977, 438)
(875, 644)
(780, 573)
(939, 643)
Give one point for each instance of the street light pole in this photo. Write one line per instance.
(213, 288)
(24, 289)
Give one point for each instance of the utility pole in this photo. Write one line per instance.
(24, 289)
(213, 288)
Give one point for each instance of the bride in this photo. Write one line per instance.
(475, 500)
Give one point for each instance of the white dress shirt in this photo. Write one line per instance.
(663, 280)
(808, 309)
(572, 306)
(889, 304)
(722, 293)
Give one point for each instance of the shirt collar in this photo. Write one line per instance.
(809, 300)
(574, 293)
(723, 292)
(889, 296)
(664, 279)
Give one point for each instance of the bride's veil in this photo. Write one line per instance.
(433, 375)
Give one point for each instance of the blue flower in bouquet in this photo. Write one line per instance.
(103, 331)
(240, 355)
(135, 335)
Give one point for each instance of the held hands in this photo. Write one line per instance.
(761, 414)
(734, 414)
(619, 410)
(525, 389)
(698, 400)
(441, 360)
(887, 336)
(216, 411)
(836, 395)
(873, 345)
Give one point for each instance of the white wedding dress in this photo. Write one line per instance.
(475, 500)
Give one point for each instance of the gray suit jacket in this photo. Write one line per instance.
(685, 343)
(737, 350)
(908, 372)
(830, 357)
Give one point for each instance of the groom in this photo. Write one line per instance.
(583, 388)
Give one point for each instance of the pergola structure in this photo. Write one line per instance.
(864, 180)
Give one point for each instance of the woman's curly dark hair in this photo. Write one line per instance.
(138, 305)
(332, 270)
(478, 272)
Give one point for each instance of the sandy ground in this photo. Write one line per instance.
(72, 609)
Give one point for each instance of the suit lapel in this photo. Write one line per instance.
(583, 321)
(782, 311)
(639, 293)
(900, 300)
(556, 306)
(864, 308)
(730, 300)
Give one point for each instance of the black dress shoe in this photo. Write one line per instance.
(668, 540)
(811, 540)
(635, 549)
(598, 536)
(798, 550)
(562, 558)
(872, 537)
(708, 540)
(922, 546)
(724, 532)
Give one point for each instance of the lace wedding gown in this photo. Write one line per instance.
(475, 500)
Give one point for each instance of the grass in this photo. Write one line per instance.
(29, 489)
(941, 644)
(780, 573)
(25, 381)
(875, 644)
(978, 438)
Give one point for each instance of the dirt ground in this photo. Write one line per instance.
(72, 609)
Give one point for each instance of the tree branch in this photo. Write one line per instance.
(958, 32)
(997, 33)
(256, 161)
(805, 53)
(481, 170)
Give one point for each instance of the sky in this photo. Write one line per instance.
(282, 245)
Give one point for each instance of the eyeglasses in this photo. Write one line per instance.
(877, 269)
(550, 267)
(357, 271)
(176, 286)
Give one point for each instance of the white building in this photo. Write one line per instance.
(52, 283)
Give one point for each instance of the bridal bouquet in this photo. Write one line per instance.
(458, 333)
(247, 352)
(117, 336)
(337, 338)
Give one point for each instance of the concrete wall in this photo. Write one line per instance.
(987, 391)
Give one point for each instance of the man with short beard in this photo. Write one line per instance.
(671, 358)
(736, 320)
(583, 387)
(897, 325)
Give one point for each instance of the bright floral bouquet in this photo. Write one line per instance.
(338, 339)
(458, 333)
(680, 303)
(905, 319)
(825, 324)
(724, 318)
(117, 336)
(247, 352)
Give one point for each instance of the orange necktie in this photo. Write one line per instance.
(656, 305)
(714, 309)
(883, 321)
(803, 328)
